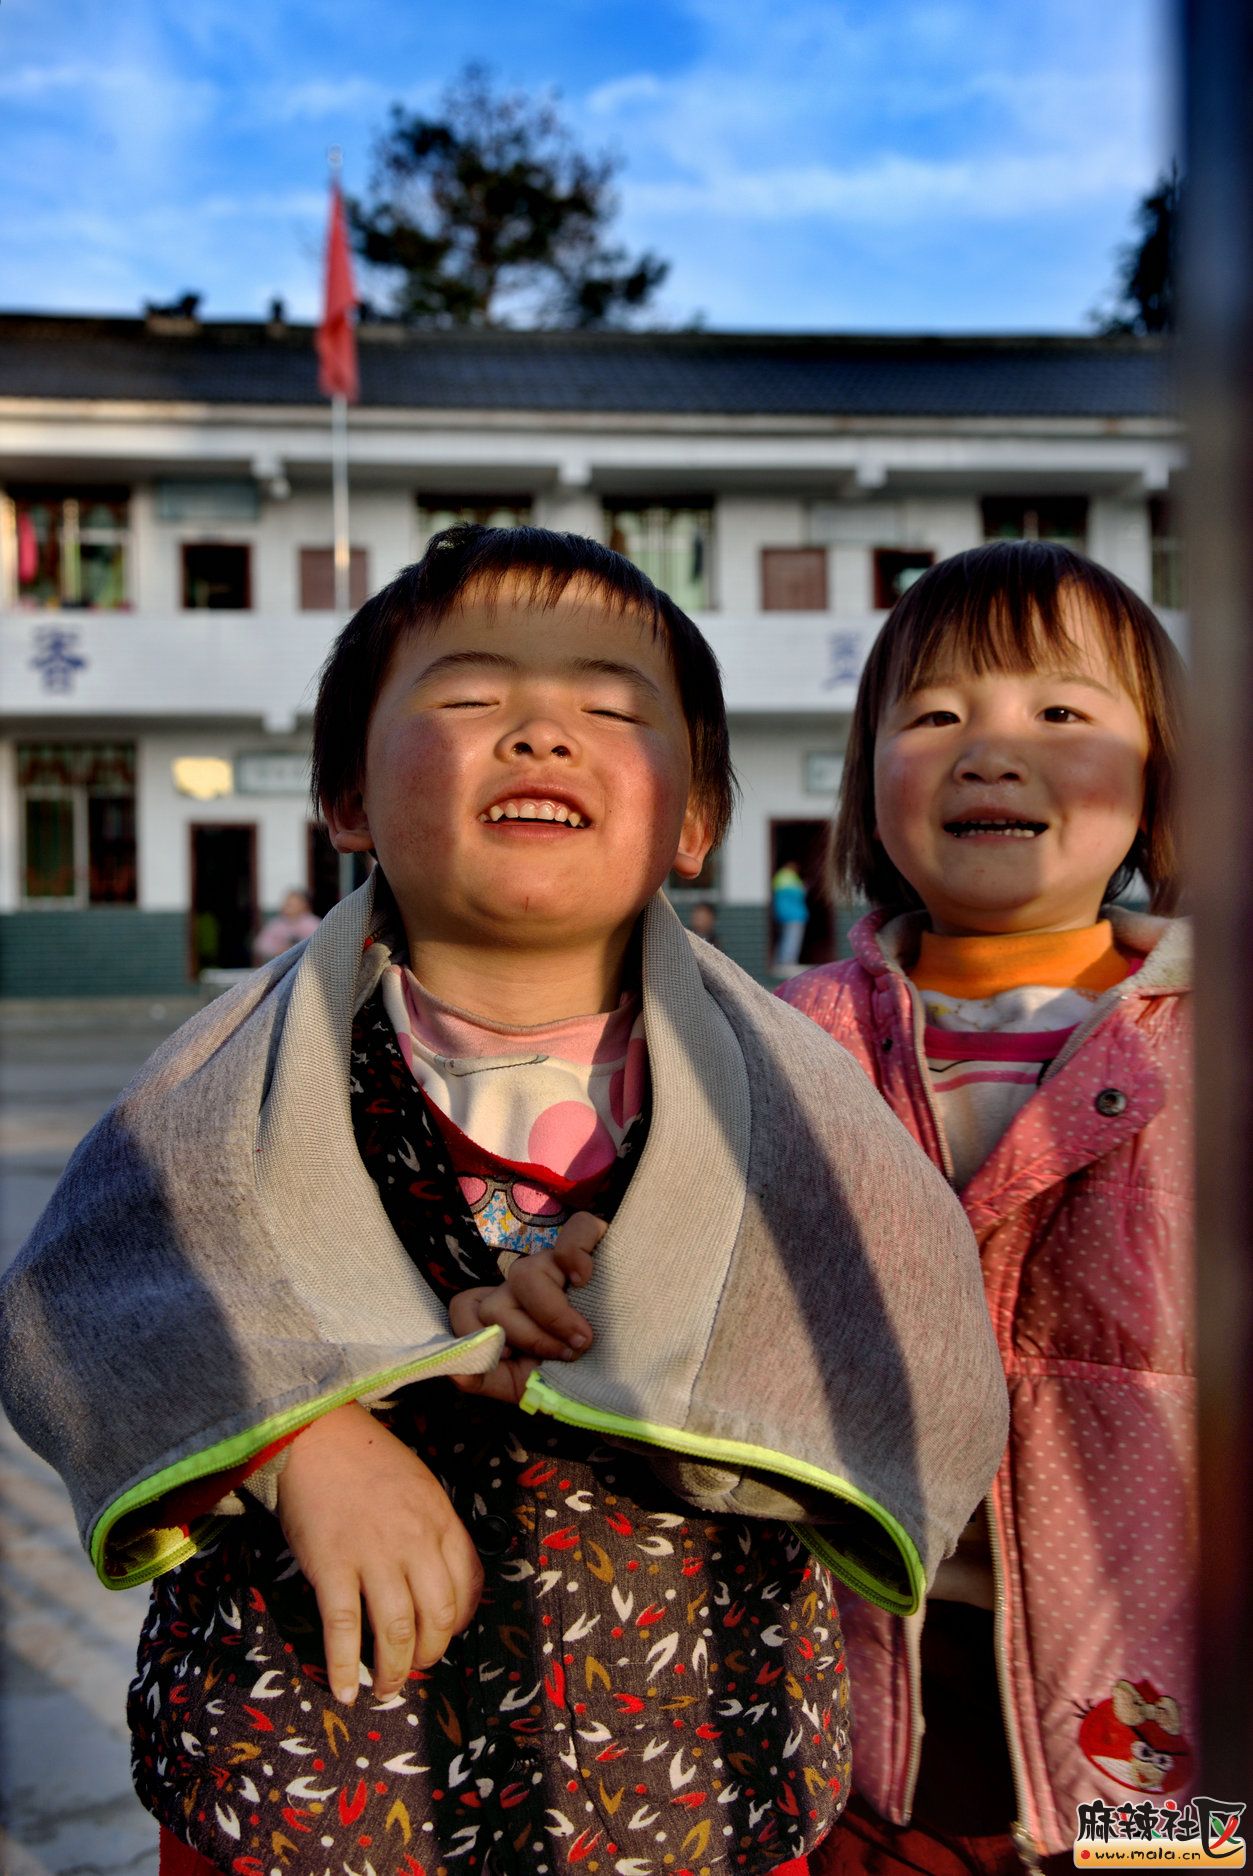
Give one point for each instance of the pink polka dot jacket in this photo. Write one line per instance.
(1083, 1216)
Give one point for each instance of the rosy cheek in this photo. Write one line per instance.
(1108, 779)
(901, 794)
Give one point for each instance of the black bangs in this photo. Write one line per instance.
(1000, 608)
(475, 562)
(539, 563)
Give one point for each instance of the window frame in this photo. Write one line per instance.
(880, 585)
(75, 899)
(1167, 561)
(1031, 507)
(816, 556)
(476, 509)
(656, 505)
(246, 547)
(70, 530)
(358, 565)
(79, 794)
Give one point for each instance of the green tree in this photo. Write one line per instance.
(487, 212)
(1145, 290)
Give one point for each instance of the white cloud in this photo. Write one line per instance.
(876, 130)
(897, 189)
(622, 94)
(264, 205)
(36, 81)
(901, 114)
(320, 98)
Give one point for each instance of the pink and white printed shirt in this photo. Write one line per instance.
(533, 1115)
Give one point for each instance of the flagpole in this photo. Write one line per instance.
(339, 460)
(339, 498)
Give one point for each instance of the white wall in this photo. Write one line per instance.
(570, 511)
(164, 817)
(1118, 536)
(10, 832)
(383, 521)
(769, 760)
(852, 529)
(157, 664)
(743, 525)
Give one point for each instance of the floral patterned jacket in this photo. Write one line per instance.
(787, 1312)
(639, 1684)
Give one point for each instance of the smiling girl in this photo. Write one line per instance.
(575, 1613)
(1009, 774)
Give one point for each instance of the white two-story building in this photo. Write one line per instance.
(166, 577)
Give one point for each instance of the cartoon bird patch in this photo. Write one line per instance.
(1136, 1738)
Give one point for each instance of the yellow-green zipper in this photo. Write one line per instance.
(165, 1549)
(539, 1396)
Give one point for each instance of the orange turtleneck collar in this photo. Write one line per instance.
(984, 966)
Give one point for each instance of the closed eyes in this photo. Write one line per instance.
(487, 703)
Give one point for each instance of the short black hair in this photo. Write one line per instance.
(468, 556)
(1002, 607)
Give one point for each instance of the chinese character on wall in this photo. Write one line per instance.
(57, 657)
(844, 659)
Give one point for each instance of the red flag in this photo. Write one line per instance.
(337, 338)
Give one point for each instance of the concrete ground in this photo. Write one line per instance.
(66, 1644)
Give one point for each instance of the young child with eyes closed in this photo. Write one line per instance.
(600, 1620)
(1010, 769)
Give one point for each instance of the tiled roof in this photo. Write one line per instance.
(734, 374)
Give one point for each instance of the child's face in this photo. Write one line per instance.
(1008, 800)
(488, 734)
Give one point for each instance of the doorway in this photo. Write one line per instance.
(803, 845)
(223, 895)
(331, 874)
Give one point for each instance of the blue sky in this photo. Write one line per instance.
(867, 165)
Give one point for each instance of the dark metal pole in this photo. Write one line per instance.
(1217, 293)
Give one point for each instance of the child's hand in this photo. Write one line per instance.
(531, 1307)
(366, 1519)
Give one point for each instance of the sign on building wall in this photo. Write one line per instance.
(272, 772)
(823, 769)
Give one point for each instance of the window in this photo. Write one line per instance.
(1060, 518)
(669, 544)
(489, 511)
(317, 578)
(794, 579)
(1167, 554)
(896, 569)
(217, 576)
(72, 548)
(78, 822)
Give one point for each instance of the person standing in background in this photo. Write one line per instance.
(790, 907)
(704, 922)
(295, 921)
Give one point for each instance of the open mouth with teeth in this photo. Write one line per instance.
(535, 809)
(995, 827)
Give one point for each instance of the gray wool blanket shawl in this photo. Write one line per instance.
(788, 1307)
